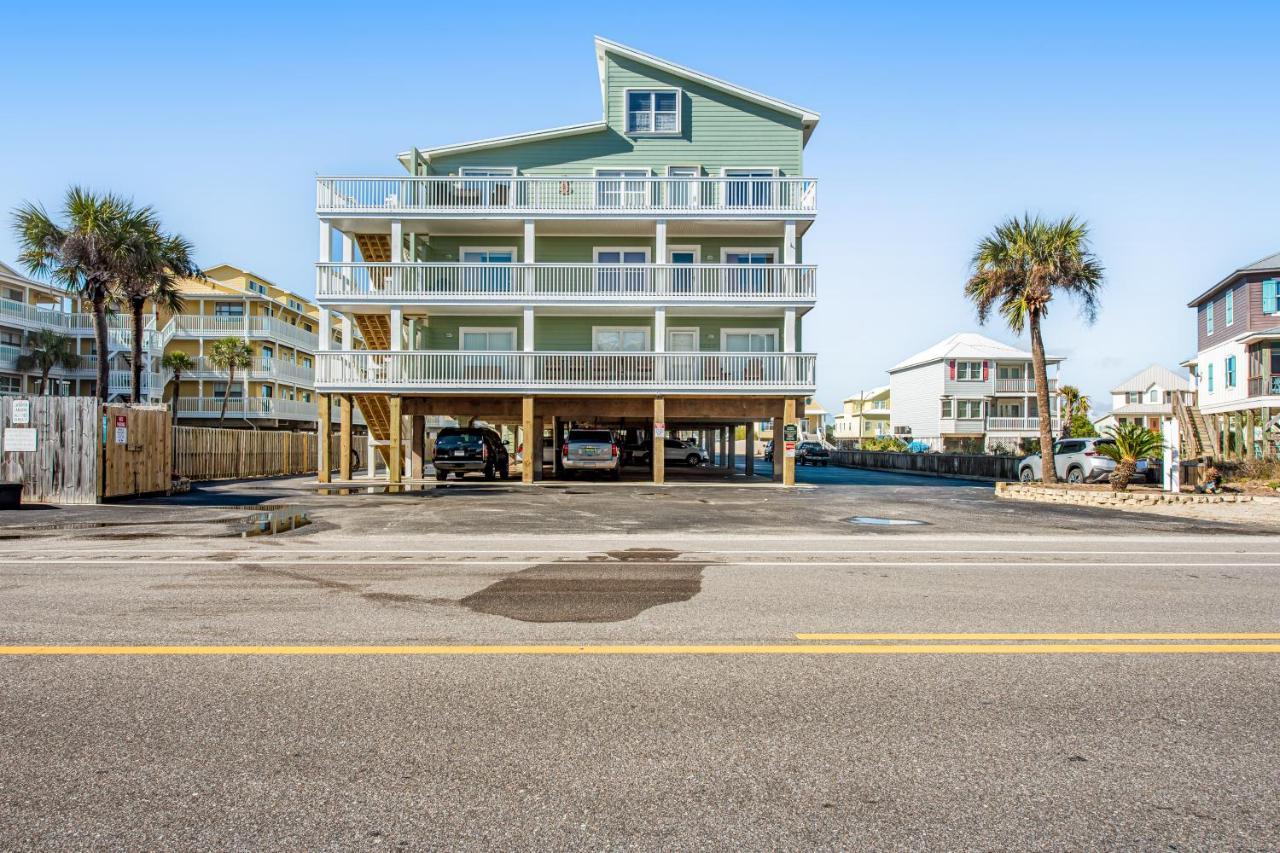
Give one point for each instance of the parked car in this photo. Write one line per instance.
(591, 450)
(548, 451)
(812, 453)
(1076, 460)
(460, 450)
(768, 449)
(678, 452)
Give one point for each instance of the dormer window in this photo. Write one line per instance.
(653, 111)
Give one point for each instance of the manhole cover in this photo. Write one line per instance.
(886, 522)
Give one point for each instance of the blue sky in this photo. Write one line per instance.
(1158, 123)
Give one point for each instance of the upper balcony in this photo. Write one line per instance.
(264, 328)
(451, 196)
(539, 283)
(1022, 386)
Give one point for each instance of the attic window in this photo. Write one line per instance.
(653, 111)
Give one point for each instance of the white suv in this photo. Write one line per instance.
(1076, 460)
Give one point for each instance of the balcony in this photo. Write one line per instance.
(119, 326)
(267, 328)
(1020, 425)
(594, 283)
(260, 369)
(1263, 386)
(248, 407)
(571, 373)
(1022, 386)
(453, 196)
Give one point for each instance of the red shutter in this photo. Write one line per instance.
(952, 364)
(985, 365)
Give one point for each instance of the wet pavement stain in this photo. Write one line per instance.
(615, 588)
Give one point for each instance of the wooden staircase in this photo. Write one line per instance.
(1198, 438)
(375, 329)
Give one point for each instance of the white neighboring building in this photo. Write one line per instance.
(1146, 398)
(969, 392)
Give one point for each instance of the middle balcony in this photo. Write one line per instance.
(356, 284)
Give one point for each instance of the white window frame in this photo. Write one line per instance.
(621, 250)
(970, 363)
(695, 248)
(726, 251)
(462, 250)
(696, 331)
(970, 401)
(644, 175)
(947, 410)
(502, 171)
(653, 111)
(724, 336)
(648, 336)
(463, 331)
(697, 167)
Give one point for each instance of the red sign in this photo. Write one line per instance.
(122, 420)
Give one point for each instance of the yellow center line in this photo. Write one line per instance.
(601, 650)
(1158, 635)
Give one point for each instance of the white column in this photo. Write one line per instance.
(528, 329)
(529, 241)
(789, 242)
(347, 343)
(348, 248)
(326, 242)
(660, 329)
(397, 241)
(325, 333)
(660, 252)
(789, 330)
(397, 329)
(372, 455)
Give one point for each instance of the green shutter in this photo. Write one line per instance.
(1269, 296)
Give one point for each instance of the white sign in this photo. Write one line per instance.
(1172, 457)
(122, 429)
(789, 449)
(659, 430)
(21, 412)
(19, 440)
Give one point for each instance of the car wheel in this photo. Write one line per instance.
(1075, 475)
(1026, 476)
(693, 460)
(442, 475)
(617, 473)
(505, 473)
(489, 472)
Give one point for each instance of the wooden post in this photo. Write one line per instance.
(417, 445)
(526, 424)
(344, 437)
(777, 450)
(395, 443)
(322, 438)
(749, 451)
(788, 460)
(657, 452)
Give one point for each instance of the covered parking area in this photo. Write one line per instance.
(711, 421)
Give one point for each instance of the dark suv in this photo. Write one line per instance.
(812, 453)
(462, 449)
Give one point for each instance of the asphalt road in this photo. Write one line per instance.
(592, 683)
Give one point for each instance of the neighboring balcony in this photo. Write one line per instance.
(248, 407)
(577, 282)
(268, 328)
(572, 373)
(1263, 386)
(450, 196)
(1022, 386)
(1020, 425)
(260, 369)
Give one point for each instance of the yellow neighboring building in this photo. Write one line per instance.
(865, 416)
(282, 329)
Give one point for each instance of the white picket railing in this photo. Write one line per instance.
(594, 282)
(254, 407)
(260, 368)
(1019, 424)
(207, 326)
(1021, 386)
(569, 371)
(571, 194)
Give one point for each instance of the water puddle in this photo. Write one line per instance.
(886, 522)
(273, 520)
(617, 586)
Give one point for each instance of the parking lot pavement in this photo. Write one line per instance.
(439, 669)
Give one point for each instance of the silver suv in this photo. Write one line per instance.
(1077, 460)
(591, 450)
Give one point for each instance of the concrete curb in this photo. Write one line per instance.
(1091, 497)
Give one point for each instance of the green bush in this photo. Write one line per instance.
(887, 443)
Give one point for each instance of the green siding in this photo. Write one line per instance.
(718, 130)
(573, 334)
(709, 328)
(442, 331)
(581, 249)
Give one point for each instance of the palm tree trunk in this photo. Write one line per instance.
(226, 392)
(100, 340)
(1068, 414)
(177, 383)
(136, 349)
(44, 381)
(1048, 469)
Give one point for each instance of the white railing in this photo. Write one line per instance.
(205, 326)
(77, 323)
(1019, 424)
(566, 194)
(1021, 386)
(568, 371)
(254, 407)
(595, 282)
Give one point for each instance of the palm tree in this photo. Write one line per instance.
(154, 263)
(179, 362)
(229, 354)
(1070, 395)
(1016, 271)
(1129, 443)
(48, 350)
(85, 254)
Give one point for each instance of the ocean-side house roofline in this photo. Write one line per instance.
(1271, 263)
(968, 345)
(1156, 375)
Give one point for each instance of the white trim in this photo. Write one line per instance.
(648, 336)
(648, 172)
(696, 248)
(499, 141)
(725, 170)
(726, 251)
(724, 334)
(697, 337)
(462, 250)
(596, 250)
(653, 111)
(463, 331)
(504, 171)
(697, 166)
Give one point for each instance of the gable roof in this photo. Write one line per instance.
(1156, 374)
(603, 46)
(869, 394)
(1271, 263)
(13, 276)
(967, 345)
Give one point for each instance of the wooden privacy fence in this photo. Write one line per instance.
(205, 453)
(135, 450)
(934, 464)
(63, 466)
